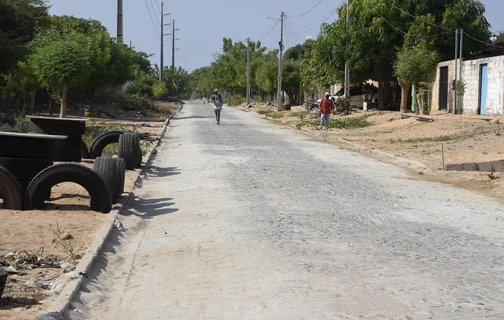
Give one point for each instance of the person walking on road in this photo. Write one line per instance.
(326, 108)
(218, 102)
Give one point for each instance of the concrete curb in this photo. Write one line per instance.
(62, 302)
(410, 164)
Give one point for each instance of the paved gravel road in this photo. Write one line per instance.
(248, 220)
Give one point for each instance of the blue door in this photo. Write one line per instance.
(483, 88)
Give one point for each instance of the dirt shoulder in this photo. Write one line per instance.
(32, 233)
(410, 143)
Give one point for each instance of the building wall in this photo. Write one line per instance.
(435, 86)
(471, 77)
(495, 85)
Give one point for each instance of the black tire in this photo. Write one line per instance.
(69, 155)
(140, 156)
(57, 126)
(84, 150)
(71, 142)
(69, 172)
(106, 168)
(25, 169)
(121, 172)
(10, 191)
(129, 144)
(28, 147)
(102, 141)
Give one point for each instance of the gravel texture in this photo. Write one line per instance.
(248, 220)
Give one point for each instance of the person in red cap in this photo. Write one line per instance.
(326, 108)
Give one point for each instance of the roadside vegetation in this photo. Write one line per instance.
(63, 65)
(393, 41)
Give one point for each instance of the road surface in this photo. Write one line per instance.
(249, 220)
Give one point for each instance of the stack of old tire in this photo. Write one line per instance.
(129, 147)
(22, 158)
(71, 149)
(111, 169)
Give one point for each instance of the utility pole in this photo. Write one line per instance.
(300, 84)
(461, 41)
(456, 75)
(248, 71)
(279, 93)
(120, 24)
(173, 46)
(161, 62)
(347, 67)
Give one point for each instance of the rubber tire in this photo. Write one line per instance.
(25, 147)
(129, 144)
(140, 157)
(71, 142)
(69, 155)
(57, 126)
(106, 168)
(84, 150)
(121, 173)
(25, 169)
(25, 183)
(102, 141)
(68, 172)
(10, 190)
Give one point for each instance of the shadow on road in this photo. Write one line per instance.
(154, 171)
(149, 208)
(192, 117)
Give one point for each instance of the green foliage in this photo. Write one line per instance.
(19, 21)
(350, 123)
(141, 86)
(61, 63)
(416, 66)
(159, 89)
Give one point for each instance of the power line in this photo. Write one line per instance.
(414, 16)
(157, 4)
(152, 20)
(267, 34)
(437, 25)
(310, 10)
(292, 31)
(319, 22)
(154, 12)
(412, 35)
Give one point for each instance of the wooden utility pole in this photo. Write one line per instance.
(279, 92)
(454, 85)
(161, 62)
(173, 46)
(120, 24)
(347, 67)
(248, 71)
(461, 41)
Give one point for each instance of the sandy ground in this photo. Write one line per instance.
(463, 138)
(249, 220)
(32, 230)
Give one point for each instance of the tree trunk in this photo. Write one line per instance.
(404, 96)
(64, 102)
(32, 101)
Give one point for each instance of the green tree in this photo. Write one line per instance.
(266, 76)
(417, 66)
(19, 22)
(379, 29)
(159, 89)
(291, 79)
(22, 83)
(60, 66)
(141, 86)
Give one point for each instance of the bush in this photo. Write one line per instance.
(350, 123)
